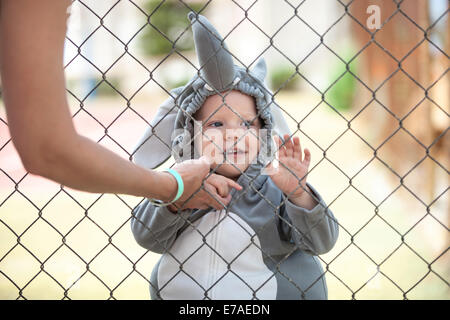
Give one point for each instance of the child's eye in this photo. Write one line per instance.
(215, 124)
(247, 124)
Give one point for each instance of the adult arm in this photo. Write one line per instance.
(32, 37)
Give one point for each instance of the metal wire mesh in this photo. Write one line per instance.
(135, 266)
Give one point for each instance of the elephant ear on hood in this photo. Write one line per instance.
(260, 70)
(214, 58)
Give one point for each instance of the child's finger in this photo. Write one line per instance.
(289, 146)
(277, 141)
(307, 159)
(217, 201)
(297, 149)
(222, 188)
(281, 148)
(222, 184)
(233, 184)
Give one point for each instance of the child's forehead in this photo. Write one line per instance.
(228, 103)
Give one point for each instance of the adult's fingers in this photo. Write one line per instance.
(214, 199)
(223, 184)
(211, 161)
(205, 198)
(220, 185)
(192, 173)
(221, 202)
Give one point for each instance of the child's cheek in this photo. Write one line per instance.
(212, 144)
(212, 150)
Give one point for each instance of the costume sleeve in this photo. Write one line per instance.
(156, 228)
(314, 230)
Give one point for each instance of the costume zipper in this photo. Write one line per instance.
(210, 264)
(214, 257)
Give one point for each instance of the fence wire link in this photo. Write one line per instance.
(89, 262)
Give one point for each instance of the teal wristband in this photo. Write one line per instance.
(179, 182)
(180, 191)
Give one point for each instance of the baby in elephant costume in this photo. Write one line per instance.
(264, 244)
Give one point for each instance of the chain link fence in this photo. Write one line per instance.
(386, 154)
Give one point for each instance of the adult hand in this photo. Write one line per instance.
(201, 192)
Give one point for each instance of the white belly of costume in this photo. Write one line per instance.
(218, 259)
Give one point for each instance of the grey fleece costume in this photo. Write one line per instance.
(261, 246)
(257, 248)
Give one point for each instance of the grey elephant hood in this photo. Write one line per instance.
(171, 131)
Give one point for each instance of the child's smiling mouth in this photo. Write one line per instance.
(235, 154)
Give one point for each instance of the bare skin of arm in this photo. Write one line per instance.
(32, 37)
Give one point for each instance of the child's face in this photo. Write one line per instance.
(234, 133)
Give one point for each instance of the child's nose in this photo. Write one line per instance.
(234, 133)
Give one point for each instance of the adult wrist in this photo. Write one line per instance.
(167, 186)
(162, 200)
(172, 208)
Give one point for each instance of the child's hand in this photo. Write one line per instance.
(290, 159)
(218, 192)
(222, 184)
(214, 193)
